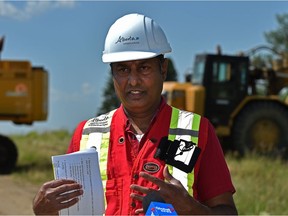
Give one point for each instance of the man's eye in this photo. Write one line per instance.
(144, 69)
(122, 71)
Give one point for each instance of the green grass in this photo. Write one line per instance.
(35, 151)
(261, 183)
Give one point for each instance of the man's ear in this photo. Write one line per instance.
(164, 68)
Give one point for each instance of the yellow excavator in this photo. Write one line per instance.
(23, 100)
(246, 104)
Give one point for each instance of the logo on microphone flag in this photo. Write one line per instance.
(159, 208)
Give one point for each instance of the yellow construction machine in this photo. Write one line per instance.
(23, 100)
(246, 104)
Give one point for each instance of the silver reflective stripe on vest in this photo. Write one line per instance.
(87, 131)
(184, 125)
(181, 131)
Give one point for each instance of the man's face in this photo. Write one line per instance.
(138, 84)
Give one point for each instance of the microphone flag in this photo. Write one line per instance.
(154, 204)
(158, 208)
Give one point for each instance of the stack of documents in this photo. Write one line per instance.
(83, 167)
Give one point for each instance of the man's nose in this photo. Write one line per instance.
(134, 77)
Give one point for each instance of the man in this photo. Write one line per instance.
(130, 138)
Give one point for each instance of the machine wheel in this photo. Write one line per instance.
(262, 128)
(8, 155)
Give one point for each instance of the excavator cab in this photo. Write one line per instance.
(225, 79)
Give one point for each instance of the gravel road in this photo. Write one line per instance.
(16, 197)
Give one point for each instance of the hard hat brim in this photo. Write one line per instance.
(127, 56)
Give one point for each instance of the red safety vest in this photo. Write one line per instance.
(118, 171)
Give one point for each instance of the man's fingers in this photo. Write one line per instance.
(56, 195)
(69, 195)
(143, 190)
(152, 179)
(139, 211)
(57, 183)
(61, 190)
(159, 182)
(68, 203)
(68, 187)
(136, 196)
(169, 177)
(167, 174)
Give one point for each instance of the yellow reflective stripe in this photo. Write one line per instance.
(104, 155)
(170, 168)
(102, 152)
(173, 122)
(83, 141)
(103, 159)
(195, 127)
(190, 181)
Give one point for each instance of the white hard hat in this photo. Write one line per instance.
(133, 37)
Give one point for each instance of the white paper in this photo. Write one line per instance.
(83, 167)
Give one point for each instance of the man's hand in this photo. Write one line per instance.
(56, 195)
(173, 192)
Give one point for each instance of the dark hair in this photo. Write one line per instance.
(160, 57)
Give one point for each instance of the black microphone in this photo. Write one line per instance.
(154, 204)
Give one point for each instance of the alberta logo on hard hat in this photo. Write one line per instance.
(127, 40)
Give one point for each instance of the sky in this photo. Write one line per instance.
(67, 39)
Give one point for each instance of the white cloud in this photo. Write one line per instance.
(14, 10)
(7, 9)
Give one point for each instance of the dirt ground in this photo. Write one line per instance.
(16, 197)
